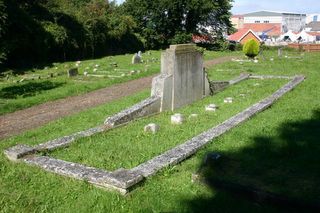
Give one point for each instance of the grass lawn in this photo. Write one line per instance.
(16, 95)
(277, 150)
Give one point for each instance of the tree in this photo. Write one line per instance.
(160, 20)
(3, 27)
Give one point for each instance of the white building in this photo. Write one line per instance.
(288, 21)
(312, 18)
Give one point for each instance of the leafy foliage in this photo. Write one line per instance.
(3, 26)
(162, 21)
(251, 48)
(43, 31)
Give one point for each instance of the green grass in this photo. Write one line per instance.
(16, 96)
(277, 150)
(110, 150)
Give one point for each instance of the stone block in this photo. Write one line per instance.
(152, 127)
(73, 72)
(211, 108)
(136, 59)
(177, 118)
(228, 100)
(16, 152)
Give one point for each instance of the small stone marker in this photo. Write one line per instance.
(140, 54)
(177, 118)
(255, 61)
(136, 59)
(152, 127)
(280, 52)
(85, 73)
(228, 100)
(211, 107)
(73, 72)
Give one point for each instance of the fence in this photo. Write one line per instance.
(306, 47)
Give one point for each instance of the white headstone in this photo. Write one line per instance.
(136, 59)
(228, 100)
(211, 107)
(177, 118)
(152, 127)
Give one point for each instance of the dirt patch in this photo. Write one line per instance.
(36, 116)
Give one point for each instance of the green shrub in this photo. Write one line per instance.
(181, 38)
(251, 48)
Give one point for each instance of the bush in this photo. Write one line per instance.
(181, 38)
(251, 48)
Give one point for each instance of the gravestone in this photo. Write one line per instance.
(73, 72)
(140, 54)
(182, 80)
(280, 52)
(177, 118)
(152, 127)
(136, 59)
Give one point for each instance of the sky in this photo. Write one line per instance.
(246, 6)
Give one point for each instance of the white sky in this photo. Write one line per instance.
(246, 6)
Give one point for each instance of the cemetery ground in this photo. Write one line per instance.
(48, 83)
(275, 151)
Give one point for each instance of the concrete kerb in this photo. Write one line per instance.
(123, 180)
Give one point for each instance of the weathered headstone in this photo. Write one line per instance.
(152, 127)
(182, 79)
(136, 59)
(228, 100)
(211, 107)
(280, 52)
(177, 118)
(140, 54)
(73, 72)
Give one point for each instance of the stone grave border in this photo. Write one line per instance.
(124, 180)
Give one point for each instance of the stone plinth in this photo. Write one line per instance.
(182, 80)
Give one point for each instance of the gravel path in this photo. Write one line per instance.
(36, 116)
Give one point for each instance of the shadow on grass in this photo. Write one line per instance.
(27, 89)
(279, 173)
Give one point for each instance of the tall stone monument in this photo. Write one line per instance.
(182, 79)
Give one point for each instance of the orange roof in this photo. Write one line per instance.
(237, 16)
(241, 34)
(270, 29)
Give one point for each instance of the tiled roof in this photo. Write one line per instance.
(240, 34)
(269, 29)
(237, 16)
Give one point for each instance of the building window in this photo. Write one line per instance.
(256, 21)
(266, 22)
